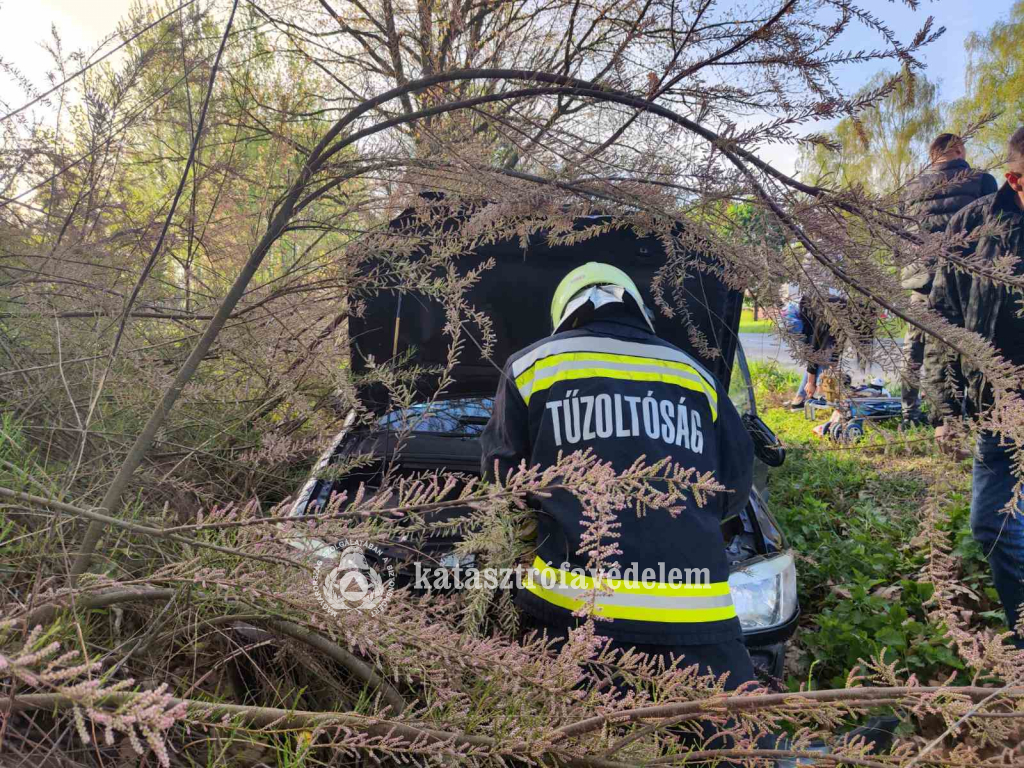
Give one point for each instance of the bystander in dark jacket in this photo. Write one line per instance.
(983, 239)
(977, 303)
(932, 200)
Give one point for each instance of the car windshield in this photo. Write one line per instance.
(464, 416)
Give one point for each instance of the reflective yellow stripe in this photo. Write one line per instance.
(609, 357)
(554, 360)
(625, 586)
(659, 615)
(629, 368)
(605, 344)
(608, 373)
(587, 373)
(679, 603)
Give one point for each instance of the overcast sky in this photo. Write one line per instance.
(82, 23)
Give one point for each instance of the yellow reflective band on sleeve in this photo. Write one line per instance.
(573, 366)
(640, 613)
(632, 600)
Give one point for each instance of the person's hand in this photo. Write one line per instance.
(811, 386)
(947, 445)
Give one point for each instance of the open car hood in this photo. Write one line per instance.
(516, 296)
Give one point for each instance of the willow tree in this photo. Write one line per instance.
(992, 100)
(883, 146)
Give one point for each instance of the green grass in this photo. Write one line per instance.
(892, 328)
(749, 325)
(854, 518)
(771, 380)
(19, 471)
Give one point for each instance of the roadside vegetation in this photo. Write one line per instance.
(748, 324)
(858, 517)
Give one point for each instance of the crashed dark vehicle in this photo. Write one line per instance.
(442, 432)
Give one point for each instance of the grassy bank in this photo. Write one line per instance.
(749, 325)
(887, 329)
(855, 517)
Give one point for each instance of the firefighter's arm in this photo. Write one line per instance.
(506, 438)
(735, 456)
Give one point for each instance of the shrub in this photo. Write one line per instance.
(854, 518)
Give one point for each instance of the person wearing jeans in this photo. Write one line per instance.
(999, 532)
(910, 374)
(801, 391)
(987, 231)
(823, 345)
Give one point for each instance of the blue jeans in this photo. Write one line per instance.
(800, 394)
(1001, 535)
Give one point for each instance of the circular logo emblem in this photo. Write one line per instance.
(353, 583)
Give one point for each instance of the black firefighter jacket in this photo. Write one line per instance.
(614, 387)
(971, 301)
(932, 199)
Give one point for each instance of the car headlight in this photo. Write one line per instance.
(764, 592)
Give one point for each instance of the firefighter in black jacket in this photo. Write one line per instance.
(604, 381)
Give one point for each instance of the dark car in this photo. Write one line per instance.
(441, 432)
